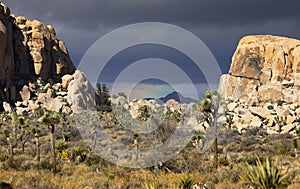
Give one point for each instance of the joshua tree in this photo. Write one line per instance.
(102, 98)
(11, 142)
(50, 119)
(11, 135)
(135, 139)
(144, 113)
(210, 106)
(36, 132)
(25, 133)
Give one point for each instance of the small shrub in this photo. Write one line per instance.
(93, 160)
(251, 160)
(223, 161)
(61, 145)
(46, 165)
(65, 154)
(281, 151)
(111, 176)
(3, 157)
(77, 151)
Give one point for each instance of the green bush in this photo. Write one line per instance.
(281, 151)
(77, 151)
(3, 157)
(223, 161)
(61, 145)
(251, 160)
(264, 176)
(46, 165)
(93, 160)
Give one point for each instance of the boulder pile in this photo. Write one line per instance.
(262, 87)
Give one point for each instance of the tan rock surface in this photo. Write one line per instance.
(25, 93)
(29, 49)
(264, 83)
(266, 67)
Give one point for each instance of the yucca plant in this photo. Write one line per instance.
(154, 185)
(186, 182)
(264, 176)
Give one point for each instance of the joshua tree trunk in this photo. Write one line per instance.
(23, 146)
(216, 154)
(53, 148)
(37, 142)
(95, 139)
(295, 144)
(50, 119)
(11, 149)
(11, 152)
(136, 148)
(215, 125)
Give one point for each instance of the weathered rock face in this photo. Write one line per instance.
(264, 69)
(28, 50)
(6, 47)
(263, 83)
(81, 94)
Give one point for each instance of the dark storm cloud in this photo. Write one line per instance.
(219, 23)
(89, 14)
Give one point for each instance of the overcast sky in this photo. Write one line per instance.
(218, 23)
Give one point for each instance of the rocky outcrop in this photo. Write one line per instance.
(29, 51)
(264, 69)
(36, 71)
(262, 87)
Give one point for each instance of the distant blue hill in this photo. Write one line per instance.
(176, 96)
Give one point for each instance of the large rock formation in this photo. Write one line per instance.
(263, 83)
(264, 69)
(29, 50)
